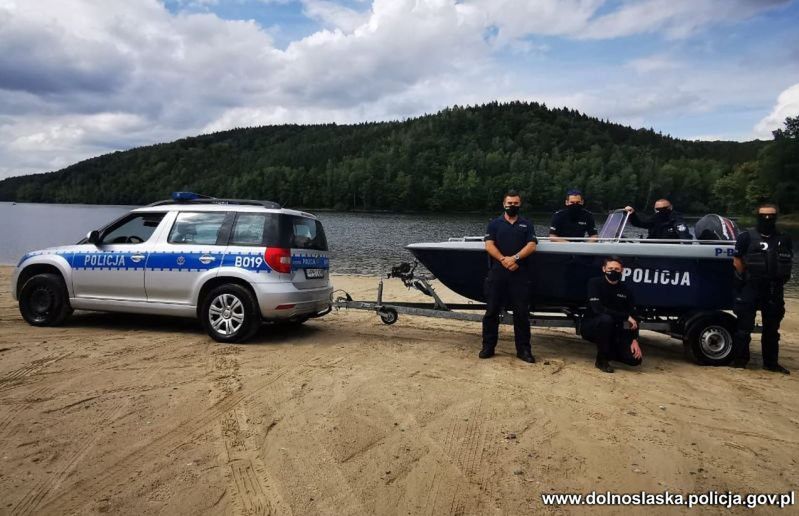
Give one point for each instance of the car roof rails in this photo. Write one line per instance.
(195, 198)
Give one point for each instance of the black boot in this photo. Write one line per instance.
(526, 356)
(603, 365)
(776, 368)
(486, 352)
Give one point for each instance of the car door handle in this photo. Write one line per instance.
(136, 258)
(205, 259)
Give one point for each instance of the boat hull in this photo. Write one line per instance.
(669, 279)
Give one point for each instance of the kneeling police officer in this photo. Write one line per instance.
(609, 322)
(509, 240)
(762, 264)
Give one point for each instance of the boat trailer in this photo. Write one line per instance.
(706, 335)
(405, 272)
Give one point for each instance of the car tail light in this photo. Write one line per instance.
(278, 258)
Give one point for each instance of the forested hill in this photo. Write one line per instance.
(460, 159)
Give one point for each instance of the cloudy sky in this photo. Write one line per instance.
(79, 78)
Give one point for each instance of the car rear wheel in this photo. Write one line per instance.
(44, 301)
(230, 314)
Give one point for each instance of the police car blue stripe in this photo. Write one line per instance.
(253, 262)
(177, 261)
(180, 261)
(309, 262)
(107, 260)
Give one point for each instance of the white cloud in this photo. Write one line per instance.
(787, 105)
(548, 17)
(678, 18)
(335, 15)
(584, 18)
(83, 77)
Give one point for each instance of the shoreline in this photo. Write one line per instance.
(791, 222)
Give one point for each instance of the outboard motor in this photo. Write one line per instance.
(716, 227)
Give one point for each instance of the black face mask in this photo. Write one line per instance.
(512, 211)
(662, 214)
(574, 209)
(613, 275)
(766, 224)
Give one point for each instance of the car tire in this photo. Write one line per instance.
(44, 300)
(708, 339)
(230, 313)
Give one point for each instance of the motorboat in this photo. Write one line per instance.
(676, 281)
(670, 276)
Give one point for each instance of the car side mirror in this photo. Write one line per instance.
(93, 237)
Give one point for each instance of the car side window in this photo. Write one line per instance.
(256, 229)
(196, 228)
(135, 229)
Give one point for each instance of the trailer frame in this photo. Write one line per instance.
(706, 334)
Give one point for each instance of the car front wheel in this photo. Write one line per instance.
(230, 314)
(44, 301)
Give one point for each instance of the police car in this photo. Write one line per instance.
(231, 263)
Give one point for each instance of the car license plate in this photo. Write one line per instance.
(314, 273)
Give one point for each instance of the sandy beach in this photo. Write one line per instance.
(345, 415)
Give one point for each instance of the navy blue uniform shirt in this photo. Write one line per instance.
(744, 239)
(606, 298)
(510, 238)
(672, 228)
(567, 224)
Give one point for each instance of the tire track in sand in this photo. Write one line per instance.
(30, 503)
(18, 376)
(79, 492)
(14, 407)
(458, 462)
(246, 475)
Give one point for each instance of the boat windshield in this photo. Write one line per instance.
(613, 228)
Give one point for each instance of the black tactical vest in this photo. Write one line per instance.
(768, 259)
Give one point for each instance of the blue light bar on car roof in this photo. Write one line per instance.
(186, 196)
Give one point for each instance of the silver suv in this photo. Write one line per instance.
(230, 263)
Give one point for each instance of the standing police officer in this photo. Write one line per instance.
(665, 225)
(573, 221)
(509, 240)
(762, 267)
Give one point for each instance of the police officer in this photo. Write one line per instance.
(610, 306)
(509, 240)
(665, 225)
(762, 264)
(573, 221)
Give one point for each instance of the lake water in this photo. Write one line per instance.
(360, 243)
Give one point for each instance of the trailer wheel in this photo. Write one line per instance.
(708, 339)
(388, 315)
